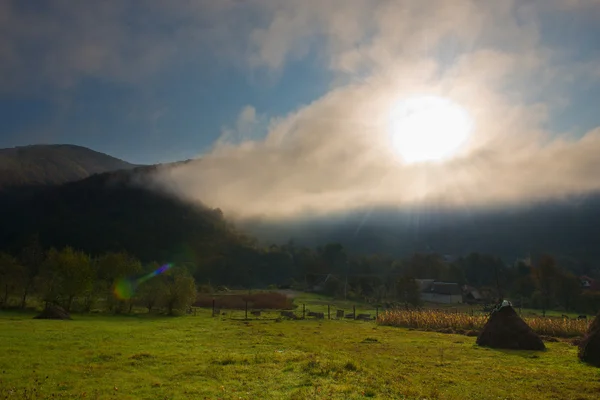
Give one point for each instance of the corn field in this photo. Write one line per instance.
(436, 320)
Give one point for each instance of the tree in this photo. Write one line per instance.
(152, 292)
(68, 274)
(546, 275)
(568, 290)
(180, 289)
(523, 286)
(333, 257)
(12, 276)
(483, 270)
(112, 267)
(425, 266)
(31, 258)
(408, 291)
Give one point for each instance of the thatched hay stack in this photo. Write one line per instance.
(506, 330)
(53, 312)
(589, 347)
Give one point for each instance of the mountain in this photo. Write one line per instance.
(41, 165)
(117, 211)
(568, 229)
(122, 210)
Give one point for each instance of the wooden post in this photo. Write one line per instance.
(213, 307)
(354, 312)
(328, 315)
(376, 312)
(246, 313)
(520, 304)
(303, 310)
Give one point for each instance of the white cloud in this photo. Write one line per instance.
(119, 40)
(335, 154)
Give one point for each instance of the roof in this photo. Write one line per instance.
(431, 286)
(446, 288)
(425, 285)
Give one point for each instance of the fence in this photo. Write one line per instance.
(313, 311)
(247, 311)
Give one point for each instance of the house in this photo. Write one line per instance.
(439, 292)
(449, 258)
(525, 261)
(589, 283)
(471, 295)
(321, 286)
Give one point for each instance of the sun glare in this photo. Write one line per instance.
(428, 129)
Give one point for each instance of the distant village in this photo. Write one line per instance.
(433, 291)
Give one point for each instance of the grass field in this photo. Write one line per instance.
(145, 357)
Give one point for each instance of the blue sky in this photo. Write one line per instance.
(176, 112)
(173, 117)
(297, 97)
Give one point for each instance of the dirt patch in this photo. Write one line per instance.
(506, 330)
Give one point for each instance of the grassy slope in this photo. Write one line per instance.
(202, 357)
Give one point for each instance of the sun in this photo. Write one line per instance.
(428, 129)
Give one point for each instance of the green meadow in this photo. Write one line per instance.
(199, 357)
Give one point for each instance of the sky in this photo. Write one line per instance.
(290, 105)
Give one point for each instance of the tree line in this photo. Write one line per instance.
(79, 281)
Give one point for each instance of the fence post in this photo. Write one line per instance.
(213, 307)
(520, 304)
(376, 312)
(328, 314)
(354, 312)
(246, 311)
(303, 310)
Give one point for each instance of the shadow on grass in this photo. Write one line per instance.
(18, 314)
(518, 353)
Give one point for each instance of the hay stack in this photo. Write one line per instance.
(589, 347)
(53, 312)
(506, 330)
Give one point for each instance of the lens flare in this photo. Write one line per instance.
(124, 288)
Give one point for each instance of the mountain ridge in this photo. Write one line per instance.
(52, 164)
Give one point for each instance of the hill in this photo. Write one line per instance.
(567, 229)
(122, 210)
(41, 165)
(117, 211)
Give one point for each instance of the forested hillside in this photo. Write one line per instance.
(567, 229)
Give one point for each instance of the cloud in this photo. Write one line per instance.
(248, 127)
(58, 43)
(334, 154)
